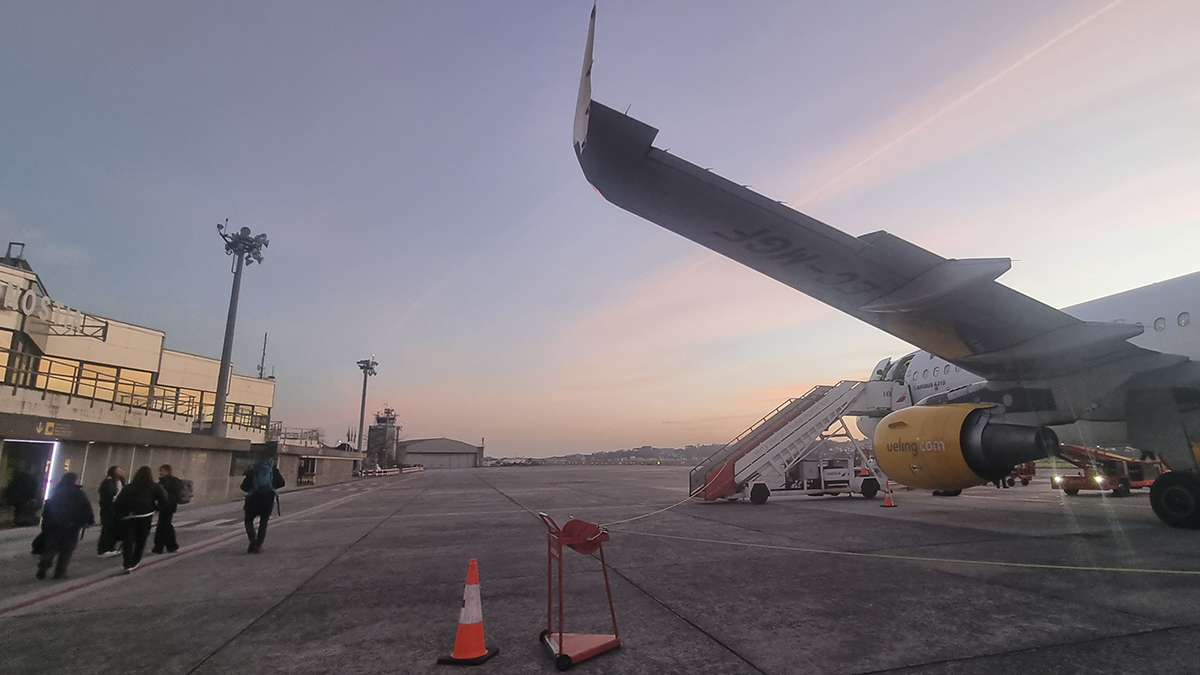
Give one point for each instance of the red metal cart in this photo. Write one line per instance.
(571, 648)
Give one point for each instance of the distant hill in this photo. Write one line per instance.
(647, 454)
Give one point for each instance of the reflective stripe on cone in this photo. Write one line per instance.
(469, 648)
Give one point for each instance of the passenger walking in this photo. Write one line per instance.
(261, 486)
(64, 514)
(135, 507)
(110, 526)
(164, 532)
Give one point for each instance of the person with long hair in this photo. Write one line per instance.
(110, 526)
(135, 507)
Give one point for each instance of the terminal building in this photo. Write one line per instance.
(82, 393)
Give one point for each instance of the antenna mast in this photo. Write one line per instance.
(262, 365)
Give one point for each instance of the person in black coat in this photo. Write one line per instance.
(22, 494)
(65, 513)
(135, 507)
(110, 525)
(164, 532)
(261, 485)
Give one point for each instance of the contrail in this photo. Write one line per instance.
(961, 100)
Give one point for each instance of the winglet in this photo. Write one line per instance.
(583, 104)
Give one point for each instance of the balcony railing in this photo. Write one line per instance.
(75, 380)
(97, 385)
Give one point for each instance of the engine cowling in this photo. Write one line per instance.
(950, 447)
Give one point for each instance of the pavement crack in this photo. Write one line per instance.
(309, 579)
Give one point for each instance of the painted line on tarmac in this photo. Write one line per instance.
(1059, 499)
(222, 522)
(907, 558)
(38, 597)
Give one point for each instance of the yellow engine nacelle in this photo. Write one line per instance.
(951, 447)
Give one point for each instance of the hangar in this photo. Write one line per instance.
(440, 453)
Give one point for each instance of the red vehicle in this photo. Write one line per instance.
(1103, 470)
(1022, 472)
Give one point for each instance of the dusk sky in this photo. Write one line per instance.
(412, 166)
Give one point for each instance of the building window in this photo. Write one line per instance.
(1184, 318)
(133, 387)
(98, 382)
(57, 374)
(308, 471)
(1160, 324)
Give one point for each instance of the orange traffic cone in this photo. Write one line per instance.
(468, 644)
(887, 501)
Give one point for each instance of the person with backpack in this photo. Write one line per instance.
(261, 485)
(135, 507)
(64, 514)
(110, 525)
(164, 531)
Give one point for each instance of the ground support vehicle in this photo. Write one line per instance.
(1023, 472)
(1106, 470)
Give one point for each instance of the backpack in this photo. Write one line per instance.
(264, 474)
(185, 491)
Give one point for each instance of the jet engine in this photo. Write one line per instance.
(950, 447)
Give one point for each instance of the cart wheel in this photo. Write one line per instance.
(1071, 492)
(1122, 489)
(542, 635)
(759, 493)
(870, 488)
(1010, 482)
(947, 493)
(563, 662)
(1024, 481)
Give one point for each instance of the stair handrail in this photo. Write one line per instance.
(707, 463)
(814, 412)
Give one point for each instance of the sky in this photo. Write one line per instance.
(412, 166)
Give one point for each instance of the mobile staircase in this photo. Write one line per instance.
(766, 456)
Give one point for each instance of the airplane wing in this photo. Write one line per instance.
(952, 308)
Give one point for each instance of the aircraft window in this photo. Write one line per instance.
(926, 373)
(1185, 319)
(935, 371)
(957, 369)
(1160, 324)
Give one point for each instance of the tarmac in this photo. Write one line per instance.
(367, 577)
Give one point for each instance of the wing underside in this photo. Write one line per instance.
(952, 308)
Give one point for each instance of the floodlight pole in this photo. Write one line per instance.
(246, 250)
(368, 368)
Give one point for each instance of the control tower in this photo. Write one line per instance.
(381, 440)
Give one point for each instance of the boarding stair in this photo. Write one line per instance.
(763, 454)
